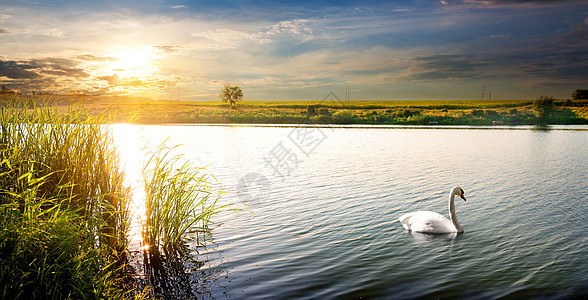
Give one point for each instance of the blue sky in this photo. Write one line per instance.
(297, 50)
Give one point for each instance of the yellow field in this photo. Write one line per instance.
(450, 112)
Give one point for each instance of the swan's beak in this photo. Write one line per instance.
(463, 197)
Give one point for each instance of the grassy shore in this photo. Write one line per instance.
(414, 112)
(65, 210)
(472, 112)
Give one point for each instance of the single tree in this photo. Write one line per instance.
(543, 107)
(231, 93)
(580, 94)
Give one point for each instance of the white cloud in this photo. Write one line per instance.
(53, 32)
(360, 47)
(507, 3)
(296, 27)
(226, 38)
(221, 39)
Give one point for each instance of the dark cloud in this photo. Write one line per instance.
(503, 3)
(62, 75)
(66, 72)
(577, 37)
(35, 68)
(563, 66)
(452, 63)
(441, 67)
(53, 74)
(536, 66)
(562, 58)
(559, 61)
(53, 63)
(17, 70)
(18, 74)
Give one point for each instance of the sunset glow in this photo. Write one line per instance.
(137, 63)
(402, 50)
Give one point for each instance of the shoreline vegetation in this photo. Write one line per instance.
(65, 211)
(409, 112)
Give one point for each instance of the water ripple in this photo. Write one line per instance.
(330, 229)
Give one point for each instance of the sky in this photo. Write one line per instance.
(297, 50)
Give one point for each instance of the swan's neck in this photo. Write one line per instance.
(452, 215)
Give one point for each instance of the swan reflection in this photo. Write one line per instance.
(431, 237)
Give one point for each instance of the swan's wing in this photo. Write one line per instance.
(426, 221)
(405, 220)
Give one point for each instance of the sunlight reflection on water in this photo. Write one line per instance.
(129, 143)
(329, 229)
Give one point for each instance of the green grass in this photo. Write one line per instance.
(180, 200)
(65, 212)
(64, 209)
(414, 112)
(430, 104)
(406, 112)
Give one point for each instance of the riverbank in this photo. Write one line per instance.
(378, 113)
(414, 112)
(66, 208)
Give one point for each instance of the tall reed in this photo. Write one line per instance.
(64, 209)
(180, 200)
(65, 213)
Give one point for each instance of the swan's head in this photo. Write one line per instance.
(456, 190)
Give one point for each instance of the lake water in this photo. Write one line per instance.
(321, 208)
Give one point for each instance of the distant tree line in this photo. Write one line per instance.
(5, 90)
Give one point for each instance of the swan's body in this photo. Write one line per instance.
(432, 222)
(427, 222)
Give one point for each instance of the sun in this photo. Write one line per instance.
(133, 62)
(132, 70)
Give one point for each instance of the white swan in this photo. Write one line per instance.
(432, 222)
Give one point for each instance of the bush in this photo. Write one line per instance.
(344, 117)
(477, 112)
(324, 111)
(321, 119)
(490, 112)
(543, 107)
(406, 113)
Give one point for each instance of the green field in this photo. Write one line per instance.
(473, 112)
(413, 112)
